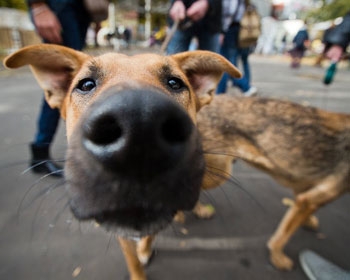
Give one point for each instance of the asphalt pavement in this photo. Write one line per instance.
(39, 238)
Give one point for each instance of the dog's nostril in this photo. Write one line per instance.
(104, 130)
(175, 130)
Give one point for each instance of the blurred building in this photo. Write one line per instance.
(16, 30)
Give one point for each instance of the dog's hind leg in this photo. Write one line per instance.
(306, 204)
(291, 221)
(133, 263)
(310, 223)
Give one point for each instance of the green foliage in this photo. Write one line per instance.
(329, 11)
(15, 4)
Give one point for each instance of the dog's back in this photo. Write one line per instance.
(298, 145)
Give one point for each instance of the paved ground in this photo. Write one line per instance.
(39, 239)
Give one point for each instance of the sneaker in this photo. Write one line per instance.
(252, 91)
(318, 268)
(328, 78)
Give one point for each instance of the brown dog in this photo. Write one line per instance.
(134, 153)
(303, 148)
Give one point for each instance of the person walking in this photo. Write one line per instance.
(326, 46)
(300, 41)
(233, 11)
(199, 19)
(338, 39)
(63, 22)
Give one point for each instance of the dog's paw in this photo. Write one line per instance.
(204, 211)
(180, 217)
(281, 261)
(145, 258)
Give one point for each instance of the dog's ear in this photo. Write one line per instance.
(53, 66)
(204, 70)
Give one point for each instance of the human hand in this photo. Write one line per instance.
(335, 53)
(198, 10)
(221, 39)
(178, 11)
(46, 23)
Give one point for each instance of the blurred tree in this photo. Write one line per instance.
(329, 10)
(15, 4)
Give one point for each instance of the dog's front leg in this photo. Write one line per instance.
(144, 249)
(135, 267)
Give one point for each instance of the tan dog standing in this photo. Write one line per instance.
(303, 148)
(134, 153)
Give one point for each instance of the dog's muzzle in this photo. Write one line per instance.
(134, 160)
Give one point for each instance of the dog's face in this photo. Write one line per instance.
(134, 154)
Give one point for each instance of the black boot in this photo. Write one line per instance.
(42, 163)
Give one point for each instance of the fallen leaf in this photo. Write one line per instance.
(76, 272)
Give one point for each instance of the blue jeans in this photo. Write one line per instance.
(244, 82)
(182, 39)
(74, 22)
(230, 50)
(243, 54)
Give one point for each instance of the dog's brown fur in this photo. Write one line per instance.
(97, 188)
(303, 148)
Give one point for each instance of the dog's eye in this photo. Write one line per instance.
(175, 83)
(86, 85)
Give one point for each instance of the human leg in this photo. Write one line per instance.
(180, 41)
(209, 41)
(244, 53)
(244, 83)
(229, 51)
(46, 128)
(74, 24)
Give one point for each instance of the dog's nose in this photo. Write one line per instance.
(137, 132)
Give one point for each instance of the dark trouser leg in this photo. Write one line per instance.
(46, 129)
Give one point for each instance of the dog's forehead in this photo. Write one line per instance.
(141, 69)
(138, 64)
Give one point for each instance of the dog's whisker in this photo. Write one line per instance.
(233, 155)
(43, 162)
(214, 203)
(35, 217)
(46, 190)
(59, 213)
(221, 174)
(208, 196)
(111, 235)
(52, 173)
(174, 229)
(26, 194)
(232, 180)
(79, 227)
(40, 193)
(226, 197)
